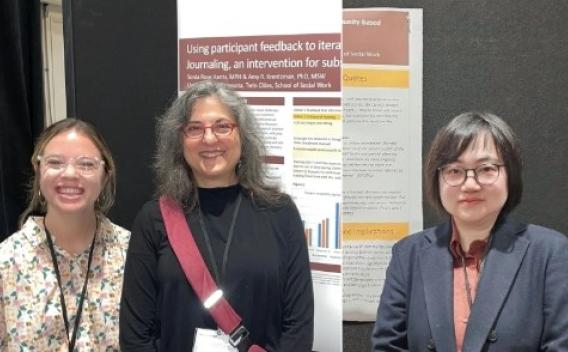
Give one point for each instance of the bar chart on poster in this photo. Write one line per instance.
(326, 233)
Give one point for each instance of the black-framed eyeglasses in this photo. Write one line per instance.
(484, 174)
(84, 165)
(197, 130)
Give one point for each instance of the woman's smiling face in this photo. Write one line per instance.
(67, 189)
(471, 203)
(212, 158)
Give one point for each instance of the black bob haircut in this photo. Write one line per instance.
(453, 139)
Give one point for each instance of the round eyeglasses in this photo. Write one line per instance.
(484, 174)
(197, 130)
(84, 165)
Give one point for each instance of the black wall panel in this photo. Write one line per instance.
(509, 57)
(121, 74)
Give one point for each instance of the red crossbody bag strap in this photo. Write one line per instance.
(184, 246)
(193, 265)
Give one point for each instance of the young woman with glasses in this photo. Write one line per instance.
(210, 163)
(480, 281)
(61, 273)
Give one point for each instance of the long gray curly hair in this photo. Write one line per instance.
(174, 176)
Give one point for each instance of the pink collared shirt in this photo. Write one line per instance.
(473, 260)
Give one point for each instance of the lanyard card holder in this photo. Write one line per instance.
(184, 246)
(207, 340)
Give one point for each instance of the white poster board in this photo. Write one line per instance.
(285, 59)
(382, 141)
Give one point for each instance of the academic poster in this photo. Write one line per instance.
(285, 59)
(382, 147)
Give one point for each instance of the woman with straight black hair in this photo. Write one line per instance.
(480, 281)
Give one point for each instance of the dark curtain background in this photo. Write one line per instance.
(121, 59)
(21, 104)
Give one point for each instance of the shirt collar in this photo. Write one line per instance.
(34, 231)
(476, 249)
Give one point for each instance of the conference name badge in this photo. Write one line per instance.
(207, 340)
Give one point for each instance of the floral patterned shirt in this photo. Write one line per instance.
(30, 311)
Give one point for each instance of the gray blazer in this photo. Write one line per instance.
(521, 302)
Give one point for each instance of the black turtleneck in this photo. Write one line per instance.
(267, 280)
(217, 207)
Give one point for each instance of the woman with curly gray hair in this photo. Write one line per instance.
(209, 163)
